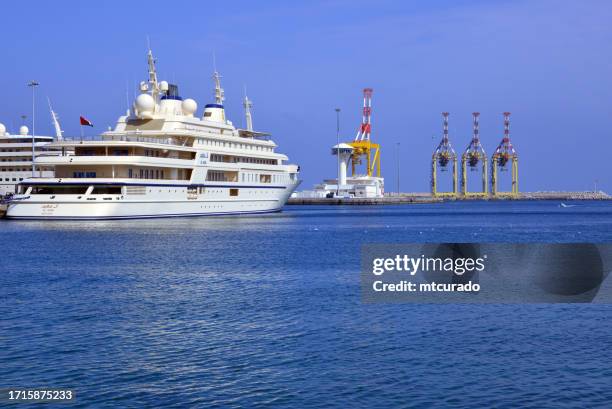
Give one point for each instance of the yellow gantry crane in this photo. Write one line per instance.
(472, 157)
(443, 156)
(504, 154)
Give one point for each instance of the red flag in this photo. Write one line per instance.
(86, 122)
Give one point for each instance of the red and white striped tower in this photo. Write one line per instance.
(445, 134)
(507, 129)
(363, 134)
(505, 148)
(476, 134)
(474, 152)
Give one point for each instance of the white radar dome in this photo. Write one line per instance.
(163, 85)
(145, 104)
(23, 130)
(2, 129)
(189, 107)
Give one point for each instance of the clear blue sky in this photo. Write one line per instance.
(549, 62)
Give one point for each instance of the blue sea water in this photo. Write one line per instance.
(265, 311)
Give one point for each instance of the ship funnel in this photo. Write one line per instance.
(171, 101)
(214, 112)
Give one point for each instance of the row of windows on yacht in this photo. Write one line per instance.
(132, 174)
(211, 175)
(264, 178)
(156, 153)
(249, 177)
(198, 142)
(17, 150)
(234, 145)
(26, 149)
(241, 159)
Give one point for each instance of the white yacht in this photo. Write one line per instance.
(16, 157)
(161, 160)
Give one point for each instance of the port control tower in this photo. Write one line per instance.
(344, 151)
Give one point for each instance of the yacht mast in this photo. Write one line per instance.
(248, 104)
(154, 86)
(219, 93)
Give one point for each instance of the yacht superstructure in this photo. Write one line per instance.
(161, 160)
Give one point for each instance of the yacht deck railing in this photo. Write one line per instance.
(125, 138)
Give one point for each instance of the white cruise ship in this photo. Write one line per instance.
(16, 157)
(161, 160)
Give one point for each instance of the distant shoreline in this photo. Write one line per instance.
(415, 198)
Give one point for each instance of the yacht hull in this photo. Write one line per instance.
(34, 207)
(80, 211)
